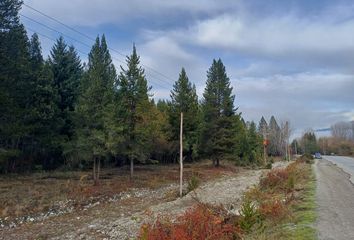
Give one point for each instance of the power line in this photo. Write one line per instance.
(52, 29)
(88, 37)
(50, 38)
(85, 53)
(86, 45)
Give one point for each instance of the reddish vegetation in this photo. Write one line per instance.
(273, 200)
(273, 178)
(200, 222)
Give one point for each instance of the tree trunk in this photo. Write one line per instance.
(98, 170)
(217, 162)
(94, 171)
(131, 168)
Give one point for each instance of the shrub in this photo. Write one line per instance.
(274, 210)
(193, 183)
(268, 166)
(200, 222)
(274, 179)
(307, 158)
(250, 216)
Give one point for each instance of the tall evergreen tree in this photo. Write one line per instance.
(254, 140)
(184, 99)
(43, 107)
(309, 142)
(14, 82)
(133, 95)
(274, 137)
(217, 138)
(67, 71)
(95, 105)
(263, 128)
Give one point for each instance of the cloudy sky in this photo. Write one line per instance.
(292, 59)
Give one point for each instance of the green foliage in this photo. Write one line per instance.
(135, 109)
(217, 137)
(193, 183)
(268, 165)
(263, 128)
(309, 143)
(184, 99)
(55, 112)
(274, 137)
(96, 104)
(250, 216)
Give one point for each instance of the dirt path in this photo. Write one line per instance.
(335, 199)
(122, 218)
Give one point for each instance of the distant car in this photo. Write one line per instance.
(318, 155)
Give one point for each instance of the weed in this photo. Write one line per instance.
(268, 166)
(193, 183)
(250, 216)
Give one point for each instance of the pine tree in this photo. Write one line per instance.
(217, 138)
(44, 117)
(274, 137)
(254, 140)
(135, 107)
(263, 128)
(14, 82)
(67, 70)
(95, 105)
(43, 107)
(184, 99)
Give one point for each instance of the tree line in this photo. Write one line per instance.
(59, 112)
(276, 136)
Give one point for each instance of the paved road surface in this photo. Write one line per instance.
(335, 200)
(345, 163)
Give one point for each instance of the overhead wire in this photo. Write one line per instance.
(92, 39)
(85, 53)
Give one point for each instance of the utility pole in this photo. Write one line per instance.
(181, 157)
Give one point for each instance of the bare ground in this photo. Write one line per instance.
(121, 217)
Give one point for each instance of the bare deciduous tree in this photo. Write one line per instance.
(343, 130)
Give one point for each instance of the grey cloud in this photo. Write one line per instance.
(308, 100)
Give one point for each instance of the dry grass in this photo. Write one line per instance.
(23, 195)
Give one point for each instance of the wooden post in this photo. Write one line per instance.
(265, 154)
(181, 157)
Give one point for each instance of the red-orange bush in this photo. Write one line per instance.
(200, 222)
(274, 210)
(275, 178)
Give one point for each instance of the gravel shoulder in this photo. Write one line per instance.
(335, 200)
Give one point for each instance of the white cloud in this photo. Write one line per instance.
(97, 12)
(287, 37)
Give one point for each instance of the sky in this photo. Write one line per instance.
(291, 59)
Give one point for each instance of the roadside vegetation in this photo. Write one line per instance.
(281, 207)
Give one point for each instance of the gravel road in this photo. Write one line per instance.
(335, 201)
